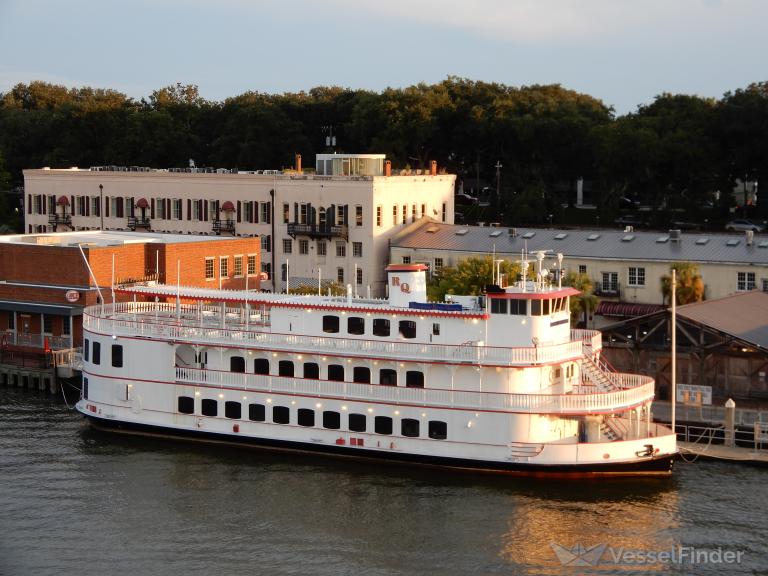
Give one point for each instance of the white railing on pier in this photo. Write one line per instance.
(70, 358)
(635, 390)
(207, 325)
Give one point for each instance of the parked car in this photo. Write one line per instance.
(742, 224)
(630, 220)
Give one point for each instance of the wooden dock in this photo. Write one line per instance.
(689, 450)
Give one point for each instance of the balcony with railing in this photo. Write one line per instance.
(225, 225)
(56, 220)
(135, 223)
(608, 289)
(317, 231)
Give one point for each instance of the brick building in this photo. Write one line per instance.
(45, 282)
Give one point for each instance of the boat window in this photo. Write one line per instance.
(96, 353)
(186, 405)
(498, 306)
(330, 324)
(545, 307)
(357, 422)
(380, 327)
(438, 430)
(261, 366)
(281, 415)
(409, 427)
(256, 412)
(436, 329)
(408, 329)
(387, 377)
(86, 349)
(414, 379)
(382, 425)
(233, 409)
(356, 325)
(331, 420)
(336, 372)
(518, 307)
(210, 407)
(306, 417)
(361, 375)
(117, 355)
(285, 368)
(85, 389)
(536, 307)
(237, 364)
(311, 370)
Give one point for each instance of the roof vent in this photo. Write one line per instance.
(461, 231)
(561, 236)
(733, 242)
(628, 238)
(674, 235)
(702, 241)
(495, 234)
(512, 232)
(662, 239)
(529, 235)
(593, 237)
(750, 235)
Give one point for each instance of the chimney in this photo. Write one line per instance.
(388, 168)
(433, 168)
(750, 237)
(298, 163)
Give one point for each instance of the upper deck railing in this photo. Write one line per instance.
(211, 325)
(634, 390)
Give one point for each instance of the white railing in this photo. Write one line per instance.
(71, 358)
(635, 390)
(11, 337)
(592, 339)
(205, 326)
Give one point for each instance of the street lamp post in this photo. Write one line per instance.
(101, 205)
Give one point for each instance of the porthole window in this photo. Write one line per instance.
(210, 407)
(186, 405)
(232, 409)
(409, 427)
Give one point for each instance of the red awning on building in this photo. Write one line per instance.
(63, 201)
(142, 203)
(227, 206)
(627, 309)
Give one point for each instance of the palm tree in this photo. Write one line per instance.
(690, 286)
(584, 302)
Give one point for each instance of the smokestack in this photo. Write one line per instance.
(433, 168)
(388, 168)
(298, 163)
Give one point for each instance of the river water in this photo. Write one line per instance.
(77, 501)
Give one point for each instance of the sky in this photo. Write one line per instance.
(623, 52)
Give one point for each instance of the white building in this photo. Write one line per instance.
(332, 224)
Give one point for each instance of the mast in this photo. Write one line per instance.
(674, 347)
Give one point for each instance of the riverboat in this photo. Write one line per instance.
(498, 382)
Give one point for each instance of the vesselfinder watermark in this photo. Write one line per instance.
(603, 554)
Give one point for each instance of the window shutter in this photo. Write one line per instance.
(168, 209)
(152, 208)
(87, 202)
(29, 203)
(238, 210)
(106, 207)
(120, 207)
(189, 209)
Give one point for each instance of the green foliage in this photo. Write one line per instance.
(690, 286)
(335, 288)
(586, 301)
(469, 277)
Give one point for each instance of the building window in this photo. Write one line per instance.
(414, 379)
(281, 415)
(237, 364)
(381, 327)
(266, 212)
(251, 264)
(336, 372)
(210, 407)
(285, 368)
(387, 377)
(340, 275)
(257, 412)
(423, 210)
(186, 405)
(378, 216)
(261, 366)
(406, 259)
(322, 248)
(266, 267)
(394, 215)
(610, 282)
(117, 355)
(437, 265)
(382, 425)
(238, 266)
(405, 214)
(356, 325)
(436, 329)
(357, 249)
(445, 211)
(357, 422)
(407, 329)
(764, 283)
(413, 213)
(224, 267)
(96, 356)
(209, 273)
(311, 370)
(340, 215)
(286, 213)
(358, 216)
(86, 348)
(287, 246)
(341, 249)
(65, 325)
(160, 208)
(232, 409)
(361, 375)
(582, 268)
(302, 214)
(745, 281)
(303, 246)
(438, 430)
(636, 276)
(266, 243)
(359, 276)
(306, 417)
(47, 324)
(330, 324)
(409, 427)
(331, 420)
(176, 206)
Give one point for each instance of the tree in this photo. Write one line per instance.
(469, 277)
(584, 302)
(690, 286)
(335, 288)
